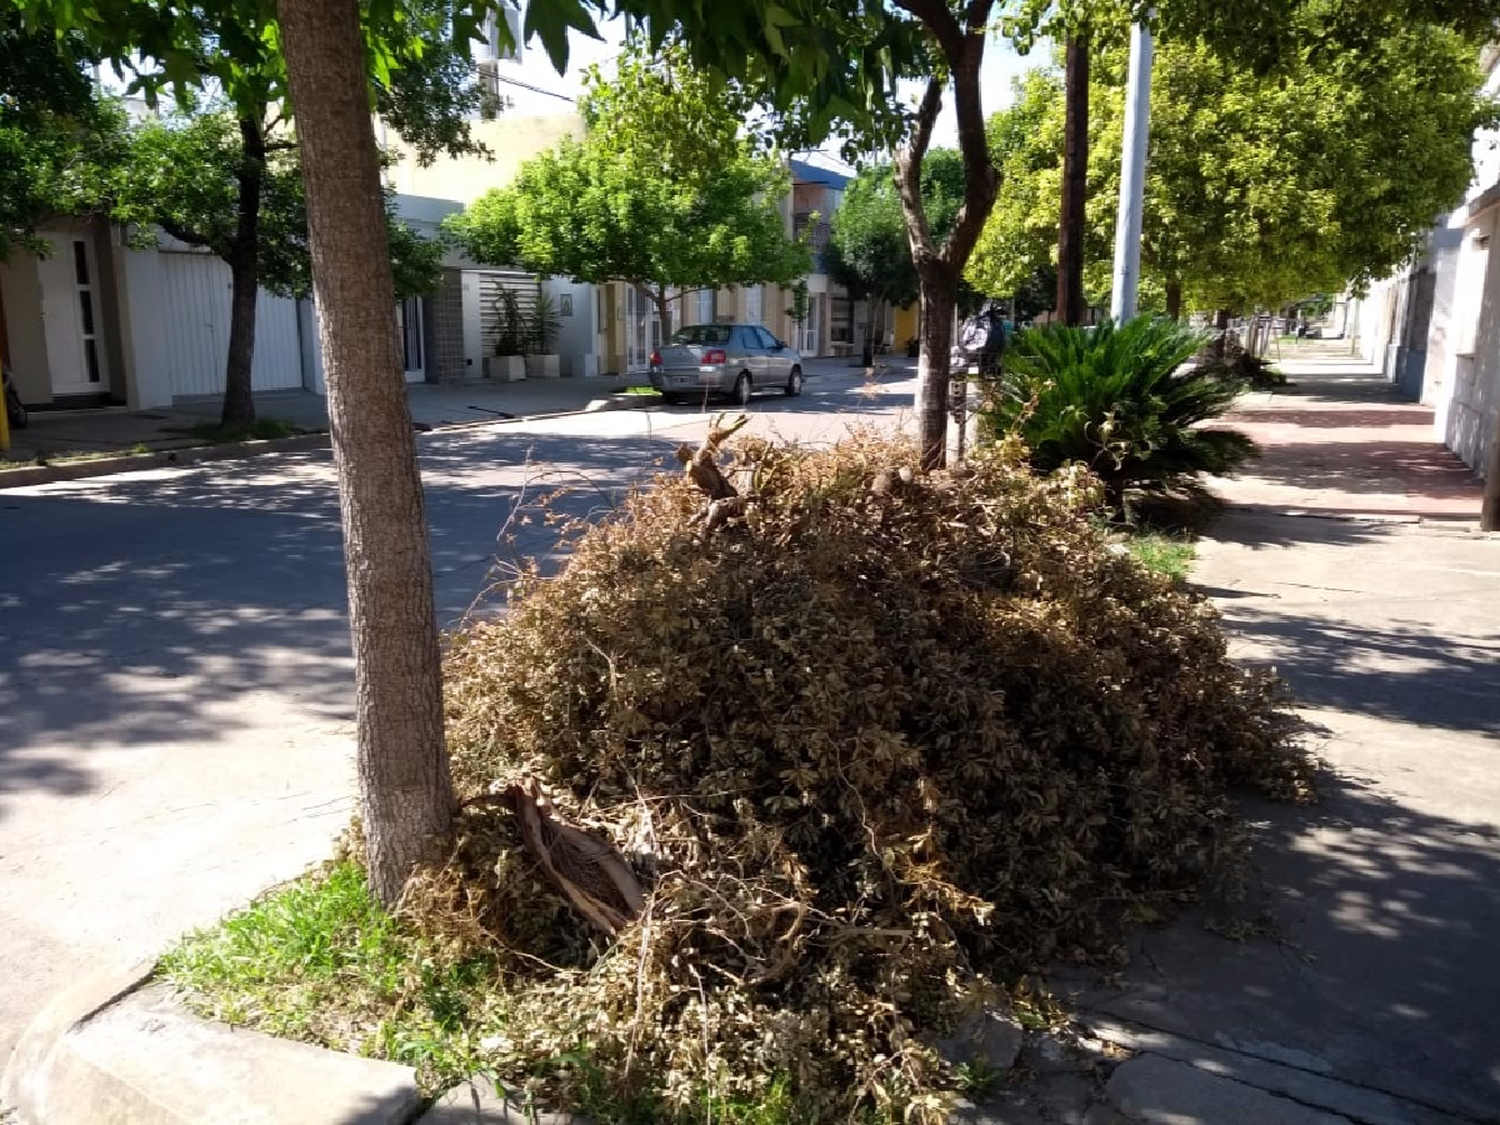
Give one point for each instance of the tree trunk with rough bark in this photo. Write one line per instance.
(939, 297)
(1174, 300)
(406, 795)
(244, 275)
(1070, 227)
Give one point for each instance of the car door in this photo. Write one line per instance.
(750, 354)
(778, 365)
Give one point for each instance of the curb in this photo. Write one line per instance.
(118, 1049)
(191, 455)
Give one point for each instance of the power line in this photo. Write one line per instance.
(534, 89)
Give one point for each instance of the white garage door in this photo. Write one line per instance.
(195, 315)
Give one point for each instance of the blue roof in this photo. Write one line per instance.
(805, 173)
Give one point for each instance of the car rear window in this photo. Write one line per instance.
(702, 334)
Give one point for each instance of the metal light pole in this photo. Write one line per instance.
(1127, 275)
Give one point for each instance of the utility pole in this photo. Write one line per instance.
(1489, 515)
(1127, 272)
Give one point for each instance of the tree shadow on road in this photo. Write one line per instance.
(177, 607)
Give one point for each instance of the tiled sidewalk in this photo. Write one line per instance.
(1339, 442)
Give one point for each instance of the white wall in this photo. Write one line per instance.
(196, 295)
(578, 339)
(143, 336)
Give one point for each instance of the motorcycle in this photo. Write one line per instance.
(15, 411)
(981, 342)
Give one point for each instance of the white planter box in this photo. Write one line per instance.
(505, 368)
(543, 366)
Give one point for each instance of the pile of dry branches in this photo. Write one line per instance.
(868, 739)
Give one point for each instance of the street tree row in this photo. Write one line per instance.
(1261, 187)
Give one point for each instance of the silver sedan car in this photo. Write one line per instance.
(724, 359)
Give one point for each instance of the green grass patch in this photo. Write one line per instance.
(319, 960)
(262, 429)
(1168, 555)
(639, 391)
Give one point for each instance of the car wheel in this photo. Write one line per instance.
(794, 382)
(742, 391)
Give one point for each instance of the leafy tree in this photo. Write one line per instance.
(869, 252)
(1260, 188)
(229, 49)
(57, 138)
(181, 173)
(661, 193)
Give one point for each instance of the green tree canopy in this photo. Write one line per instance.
(661, 193)
(180, 173)
(57, 138)
(1260, 188)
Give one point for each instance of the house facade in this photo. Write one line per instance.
(98, 321)
(1434, 327)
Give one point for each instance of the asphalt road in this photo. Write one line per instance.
(175, 681)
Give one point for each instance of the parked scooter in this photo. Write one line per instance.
(15, 412)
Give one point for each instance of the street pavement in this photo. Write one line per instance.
(176, 697)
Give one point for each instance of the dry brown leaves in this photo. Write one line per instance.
(871, 741)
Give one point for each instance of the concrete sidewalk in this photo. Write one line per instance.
(1372, 997)
(118, 430)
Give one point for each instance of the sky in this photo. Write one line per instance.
(551, 92)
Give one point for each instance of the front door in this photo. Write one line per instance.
(73, 316)
(409, 321)
(812, 328)
(642, 329)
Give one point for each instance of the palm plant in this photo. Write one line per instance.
(1115, 400)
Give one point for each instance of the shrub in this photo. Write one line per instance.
(1115, 400)
(873, 742)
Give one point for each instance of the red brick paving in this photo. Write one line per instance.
(1340, 442)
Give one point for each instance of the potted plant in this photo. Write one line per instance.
(544, 362)
(508, 364)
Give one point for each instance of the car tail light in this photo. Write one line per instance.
(655, 360)
(715, 355)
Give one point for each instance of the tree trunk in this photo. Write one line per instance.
(244, 275)
(1070, 225)
(406, 795)
(868, 356)
(663, 310)
(939, 297)
(1174, 300)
